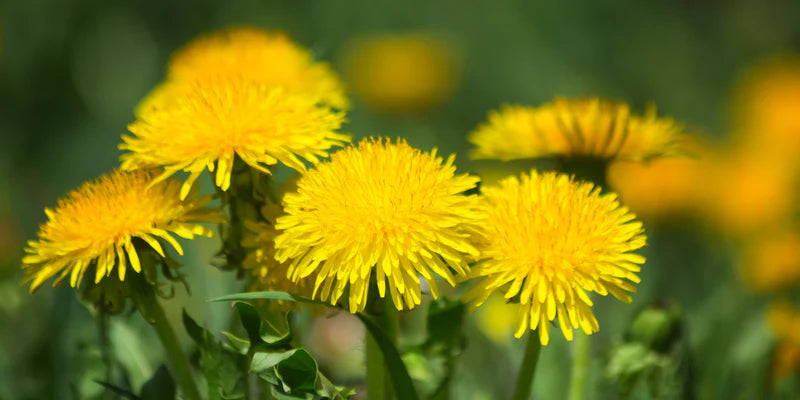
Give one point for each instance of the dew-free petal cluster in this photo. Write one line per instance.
(383, 208)
(575, 127)
(204, 124)
(94, 227)
(263, 57)
(550, 241)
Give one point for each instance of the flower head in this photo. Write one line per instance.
(266, 273)
(268, 58)
(771, 262)
(549, 241)
(204, 124)
(575, 127)
(402, 73)
(380, 207)
(96, 224)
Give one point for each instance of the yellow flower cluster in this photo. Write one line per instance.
(379, 219)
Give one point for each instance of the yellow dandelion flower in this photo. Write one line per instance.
(662, 187)
(267, 273)
(402, 73)
(205, 124)
(766, 101)
(552, 240)
(575, 127)
(745, 192)
(268, 58)
(784, 322)
(771, 262)
(95, 226)
(380, 207)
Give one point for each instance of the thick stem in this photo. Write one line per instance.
(145, 297)
(379, 384)
(528, 368)
(580, 366)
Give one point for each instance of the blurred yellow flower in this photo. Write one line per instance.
(267, 58)
(496, 317)
(266, 273)
(549, 241)
(662, 187)
(575, 127)
(205, 124)
(402, 73)
(772, 262)
(95, 225)
(745, 192)
(380, 207)
(766, 104)
(784, 321)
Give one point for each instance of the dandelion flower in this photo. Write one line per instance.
(266, 273)
(549, 241)
(94, 226)
(765, 106)
(784, 322)
(268, 58)
(380, 207)
(402, 73)
(205, 124)
(575, 127)
(662, 187)
(771, 262)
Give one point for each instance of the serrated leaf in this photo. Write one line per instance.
(160, 386)
(224, 370)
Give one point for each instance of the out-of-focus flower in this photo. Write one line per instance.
(496, 317)
(205, 124)
(663, 187)
(766, 106)
(772, 261)
(784, 321)
(402, 73)
(591, 127)
(94, 227)
(549, 241)
(383, 208)
(267, 58)
(744, 193)
(266, 273)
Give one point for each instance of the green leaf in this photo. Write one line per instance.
(125, 394)
(237, 344)
(160, 386)
(268, 295)
(224, 370)
(401, 381)
(260, 331)
(298, 372)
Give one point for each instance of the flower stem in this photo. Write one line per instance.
(528, 368)
(580, 365)
(379, 384)
(145, 297)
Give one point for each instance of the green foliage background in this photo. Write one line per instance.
(72, 71)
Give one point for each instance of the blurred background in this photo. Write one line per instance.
(724, 252)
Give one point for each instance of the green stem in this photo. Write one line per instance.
(528, 368)
(580, 366)
(379, 384)
(145, 297)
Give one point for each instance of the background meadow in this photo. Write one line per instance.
(724, 238)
